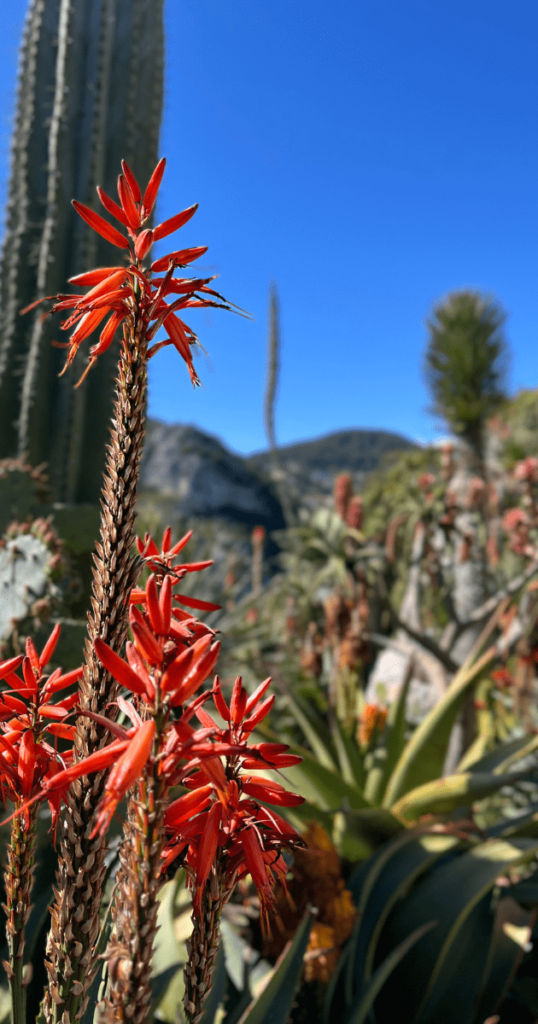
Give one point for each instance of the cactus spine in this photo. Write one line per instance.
(90, 93)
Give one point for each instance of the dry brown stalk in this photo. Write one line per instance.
(139, 880)
(203, 944)
(75, 914)
(18, 878)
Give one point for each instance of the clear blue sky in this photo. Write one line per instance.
(370, 157)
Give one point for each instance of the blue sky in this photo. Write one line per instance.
(370, 157)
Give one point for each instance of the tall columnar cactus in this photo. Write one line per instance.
(90, 93)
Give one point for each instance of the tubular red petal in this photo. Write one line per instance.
(128, 203)
(154, 611)
(195, 602)
(64, 732)
(112, 207)
(131, 181)
(13, 703)
(208, 846)
(238, 702)
(150, 194)
(107, 334)
(32, 654)
(174, 223)
(197, 675)
(125, 773)
(92, 277)
(26, 764)
(101, 225)
(177, 670)
(181, 258)
(257, 695)
(54, 711)
(108, 285)
(180, 544)
(87, 324)
(9, 666)
(50, 646)
(165, 603)
(270, 792)
(187, 805)
(137, 664)
(146, 643)
(250, 723)
(254, 860)
(144, 243)
(118, 668)
(61, 681)
(220, 703)
(29, 677)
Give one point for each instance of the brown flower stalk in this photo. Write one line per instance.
(203, 944)
(130, 950)
(75, 914)
(18, 878)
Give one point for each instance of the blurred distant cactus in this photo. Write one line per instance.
(31, 564)
(90, 90)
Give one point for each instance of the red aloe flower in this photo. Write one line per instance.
(28, 711)
(130, 293)
(249, 837)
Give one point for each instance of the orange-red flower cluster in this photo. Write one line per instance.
(130, 294)
(171, 655)
(29, 762)
(232, 821)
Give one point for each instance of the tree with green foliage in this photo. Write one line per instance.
(465, 364)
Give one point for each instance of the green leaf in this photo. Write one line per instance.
(363, 888)
(273, 1004)
(393, 878)
(519, 826)
(383, 972)
(461, 976)
(510, 934)
(496, 757)
(349, 755)
(449, 893)
(326, 786)
(452, 791)
(315, 732)
(424, 755)
(392, 744)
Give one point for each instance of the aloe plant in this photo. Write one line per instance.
(90, 93)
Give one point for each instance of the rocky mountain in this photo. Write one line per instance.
(200, 477)
(190, 480)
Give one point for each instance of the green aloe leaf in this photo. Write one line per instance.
(315, 732)
(449, 893)
(383, 972)
(273, 1004)
(363, 887)
(349, 755)
(495, 758)
(392, 744)
(424, 755)
(451, 791)
(511, 932)
(324, 785)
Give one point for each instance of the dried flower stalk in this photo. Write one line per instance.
(75, 914)
(203, 944)
(18, 878)
(130, 950)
